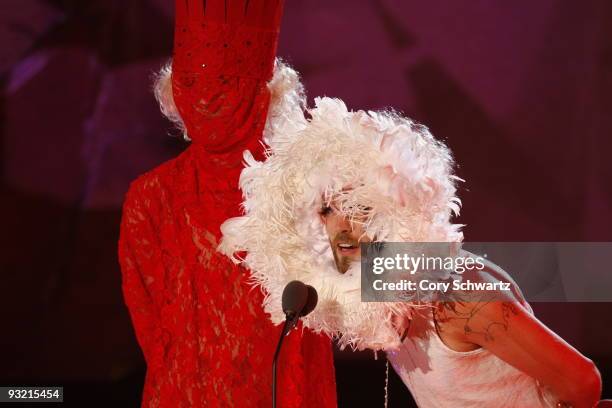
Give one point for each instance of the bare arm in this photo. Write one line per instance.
(506, 328)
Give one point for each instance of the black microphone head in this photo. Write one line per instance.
(311, 303)
(295, 296)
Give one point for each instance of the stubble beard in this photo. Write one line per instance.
(342, 262)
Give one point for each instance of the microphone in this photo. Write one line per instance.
(295, 296)
(311, 302)
(298, 300)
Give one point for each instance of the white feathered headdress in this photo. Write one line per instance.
(394, 167)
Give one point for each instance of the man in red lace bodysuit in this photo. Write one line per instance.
(204, 335)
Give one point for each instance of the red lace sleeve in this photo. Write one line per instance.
(135, 255)
(142, 274)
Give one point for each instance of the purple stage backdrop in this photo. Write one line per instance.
(521, 91)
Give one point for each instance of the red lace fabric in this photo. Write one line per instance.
(204, 335)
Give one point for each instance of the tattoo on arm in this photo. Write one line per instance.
(508, 309)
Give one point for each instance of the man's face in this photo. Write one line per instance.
(344, 236)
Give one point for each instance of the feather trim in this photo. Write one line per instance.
(393, 165)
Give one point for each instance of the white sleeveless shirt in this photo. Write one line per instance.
(440, 377)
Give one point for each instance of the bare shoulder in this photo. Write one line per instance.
(489, 283)
(484, 301)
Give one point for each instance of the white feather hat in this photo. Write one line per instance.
(392, 165)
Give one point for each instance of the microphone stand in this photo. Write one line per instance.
(290, 322)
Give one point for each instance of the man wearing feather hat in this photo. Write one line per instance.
(341, 178)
